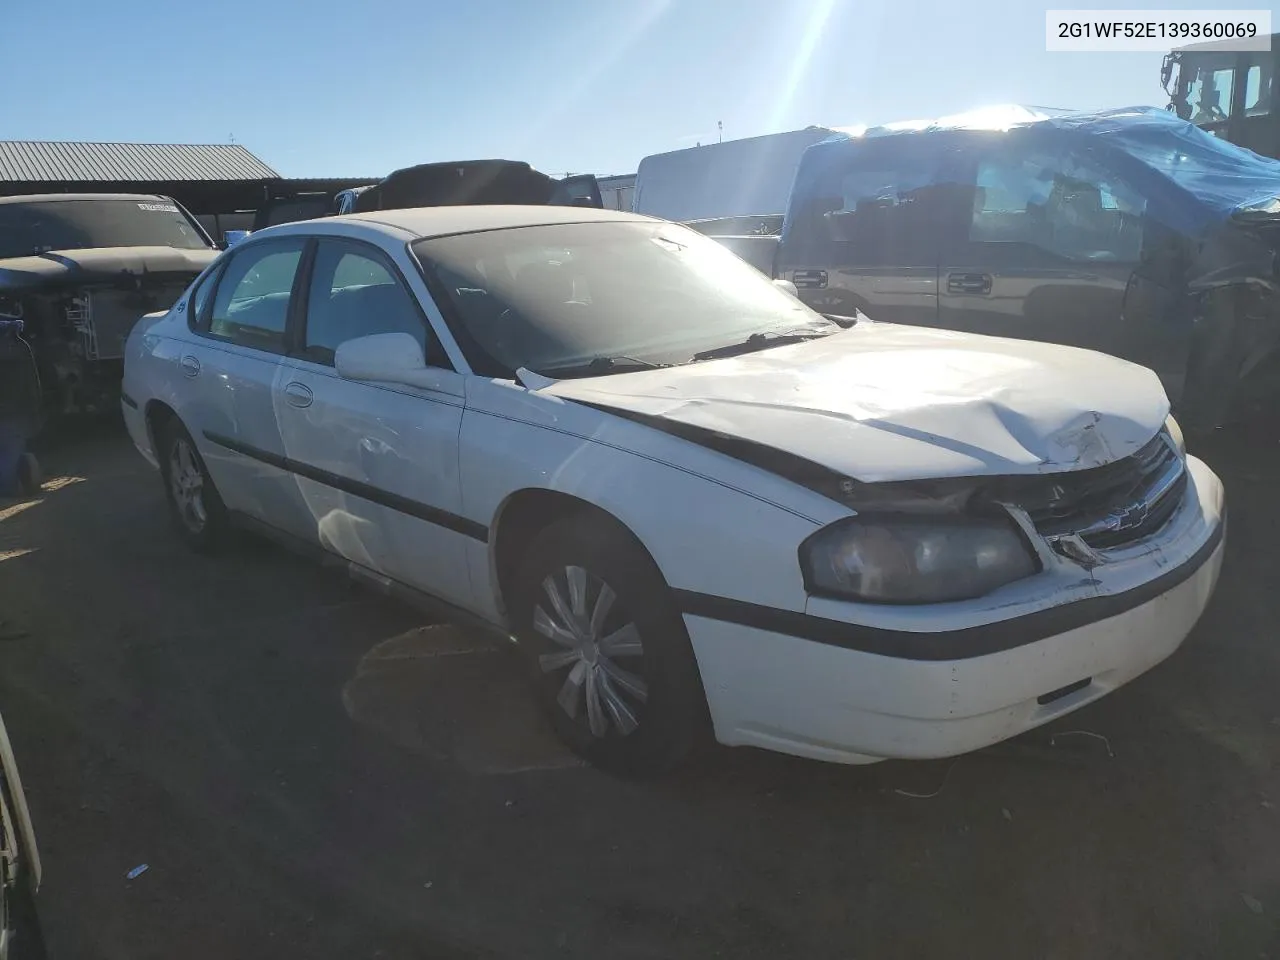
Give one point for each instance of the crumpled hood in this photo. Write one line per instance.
(101, 264)
(884, 402)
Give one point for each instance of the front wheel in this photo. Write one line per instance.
(611, 657)
(194, 504)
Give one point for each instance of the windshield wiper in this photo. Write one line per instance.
(762, 341)
(602, 365)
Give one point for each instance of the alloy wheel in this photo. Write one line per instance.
(186, 482)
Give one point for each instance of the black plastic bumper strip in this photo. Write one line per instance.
(393, 501)
(962, 644)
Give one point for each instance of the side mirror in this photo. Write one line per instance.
(787, 287)
(232, 237)
(382, 357)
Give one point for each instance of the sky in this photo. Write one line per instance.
(331, 88)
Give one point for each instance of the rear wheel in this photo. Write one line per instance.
(194, 504)
(611, 657)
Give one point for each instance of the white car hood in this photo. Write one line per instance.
(885, 402)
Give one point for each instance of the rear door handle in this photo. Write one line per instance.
(969, 283)
(190, 366)
(298, 394)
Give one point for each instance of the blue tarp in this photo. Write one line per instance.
(1194, 180)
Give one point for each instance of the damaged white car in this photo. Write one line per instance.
(693, 500)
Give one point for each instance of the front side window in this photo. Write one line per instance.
(552, 298)
(1058, 203)
(251, 306)
(354, 294)
(1210, 92)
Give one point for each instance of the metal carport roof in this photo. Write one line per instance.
(53, 161)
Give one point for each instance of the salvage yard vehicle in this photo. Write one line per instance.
(1130, 232)
(79, 270)
(685, 494)
(20, 935)
(467, 182)
(1230, 93)
(463, 182)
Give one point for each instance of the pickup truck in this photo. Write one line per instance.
(1130, 231)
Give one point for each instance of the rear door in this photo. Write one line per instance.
(375, 464)
(230, 370)
(868, 236)
(578, 191)
(1054, 250)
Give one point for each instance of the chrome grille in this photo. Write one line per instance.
(1112, 505)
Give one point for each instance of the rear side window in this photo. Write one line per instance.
(1058, 202)
(1257, 90)
(251, 305)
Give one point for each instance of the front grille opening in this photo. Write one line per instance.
(1047, 698)
(1108, 506)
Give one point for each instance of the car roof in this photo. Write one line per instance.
(425, 222)
(49, 197)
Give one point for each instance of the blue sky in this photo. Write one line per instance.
(569, 85)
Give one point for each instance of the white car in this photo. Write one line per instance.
(690, 497)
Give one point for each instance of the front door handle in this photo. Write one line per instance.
(969, 283)
(190, 366)
(298, 394)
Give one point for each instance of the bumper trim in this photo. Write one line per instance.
(962, 644)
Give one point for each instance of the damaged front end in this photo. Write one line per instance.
(1078, 514)
(1233, 289)
(77, 309)
(956, 539)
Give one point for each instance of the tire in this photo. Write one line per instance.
(617, 678)
(195, 507)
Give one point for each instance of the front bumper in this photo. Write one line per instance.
(944, 680)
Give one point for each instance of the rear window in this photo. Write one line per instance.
(33, 228)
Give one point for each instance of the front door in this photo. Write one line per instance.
(1059, 249)
(375, 465)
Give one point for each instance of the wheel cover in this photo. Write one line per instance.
(186, 482)
(579, 613)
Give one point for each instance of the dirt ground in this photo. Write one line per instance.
(309, 770)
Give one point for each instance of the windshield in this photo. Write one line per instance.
(40, 226)
(557, 296)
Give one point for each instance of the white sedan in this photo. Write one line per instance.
(691, 499)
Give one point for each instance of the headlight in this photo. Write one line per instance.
(1175, 434)
(904, 558)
